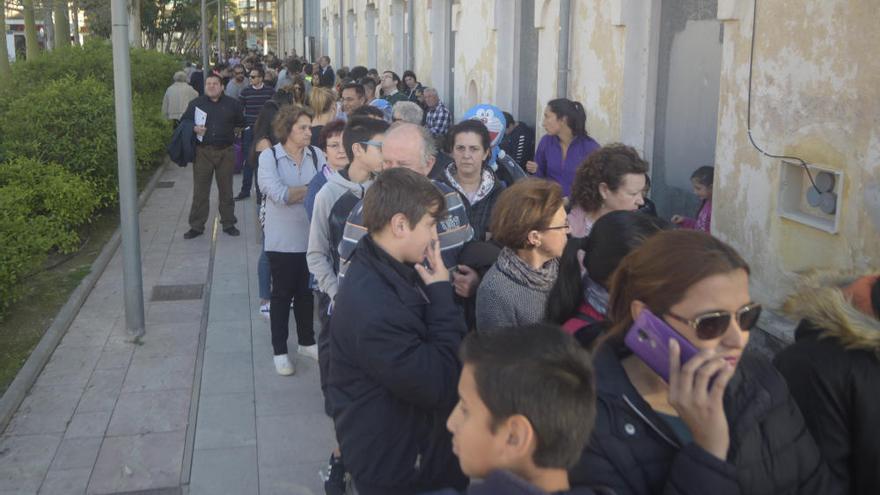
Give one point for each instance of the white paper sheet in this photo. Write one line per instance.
(201, 117)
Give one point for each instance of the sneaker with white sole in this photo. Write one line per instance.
(264, 310)
(309, 351)
(283, 365)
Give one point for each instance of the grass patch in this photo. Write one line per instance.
(44, 293)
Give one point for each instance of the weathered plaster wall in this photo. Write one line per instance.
(596, 61)
(547, 24)
(475, 54)
(816, 94)
(422, 44)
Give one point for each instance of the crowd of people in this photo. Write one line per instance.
(489, 311)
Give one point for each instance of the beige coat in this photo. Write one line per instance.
(177, 98)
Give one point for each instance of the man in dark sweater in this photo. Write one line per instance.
(214, 155)
(393, 373)
(252, 99)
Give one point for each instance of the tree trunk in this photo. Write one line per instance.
(134, 23)
(32, 49)
(48, 25)
(62, 24)
(75, 18)
(5, 69)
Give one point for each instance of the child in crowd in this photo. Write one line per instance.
(701, 179)
(526, 407)
(394, 337)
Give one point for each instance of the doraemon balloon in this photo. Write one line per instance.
(493, 118)
(383, 105)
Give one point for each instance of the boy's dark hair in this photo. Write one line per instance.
(542, 373)
(509, 120)
(260, 70)
(357, 72)
(400, 190)
(368, 111)
(358, 130)
(704, 175)
(359, 89)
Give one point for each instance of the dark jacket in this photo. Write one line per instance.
(633, 451)
(506, 483)
(833, 371)
(197, 81)
(519, 144)
(182, 149)
(480, 213)
(327, 77)
(393, 376)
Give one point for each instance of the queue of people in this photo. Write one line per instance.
(531, 327)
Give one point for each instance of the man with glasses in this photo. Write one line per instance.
(235, 85)
(252, 99)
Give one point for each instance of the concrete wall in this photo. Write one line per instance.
(816, 94)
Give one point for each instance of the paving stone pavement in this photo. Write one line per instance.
(109, 416)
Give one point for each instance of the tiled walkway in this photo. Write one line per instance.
(108, 416)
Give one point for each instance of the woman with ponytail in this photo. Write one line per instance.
(566, 144)
(722, 421)
(579, 299)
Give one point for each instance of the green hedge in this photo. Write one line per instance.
(58, 148)
(42, 207)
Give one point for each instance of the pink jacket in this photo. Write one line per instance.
(704, 218)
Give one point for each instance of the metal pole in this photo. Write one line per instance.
(206, 61)
(128, 194)
(219, 20)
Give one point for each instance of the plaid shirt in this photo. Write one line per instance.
(438, 119)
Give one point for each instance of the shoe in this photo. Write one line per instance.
(334, 479)
(231, 230)
(309, 351)
(264, 310)
(241, 196)
(283, 365)
(192, 233)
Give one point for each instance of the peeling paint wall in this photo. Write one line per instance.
(596, 77)
(815, 94)
(475, 54)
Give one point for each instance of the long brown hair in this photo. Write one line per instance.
(660, 271)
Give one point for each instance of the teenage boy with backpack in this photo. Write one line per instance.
(526, 407)
(394, 336)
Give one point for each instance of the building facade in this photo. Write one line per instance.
(676, 80)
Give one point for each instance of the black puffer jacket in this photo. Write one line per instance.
(833, 371)
(633, 451)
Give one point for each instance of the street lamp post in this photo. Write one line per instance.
(128, 212)
(206, 62)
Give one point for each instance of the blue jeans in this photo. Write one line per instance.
(264, 275)
(247, 171)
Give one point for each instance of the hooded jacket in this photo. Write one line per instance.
(393, 376)
(479, 212)
(833, 371)
(322, 255)
(634, 451)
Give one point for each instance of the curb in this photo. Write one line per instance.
(28, 373)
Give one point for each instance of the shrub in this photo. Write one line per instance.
(68, 122)
(42, 207)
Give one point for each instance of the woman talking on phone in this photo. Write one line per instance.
(681, 408)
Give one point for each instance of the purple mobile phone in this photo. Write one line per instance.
(648, 338)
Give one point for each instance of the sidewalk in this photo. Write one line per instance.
(108, 416)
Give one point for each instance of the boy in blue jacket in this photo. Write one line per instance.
(394, 337)
(526, 407)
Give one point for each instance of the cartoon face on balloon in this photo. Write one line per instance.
(492, 117)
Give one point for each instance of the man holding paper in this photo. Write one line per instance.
(215, 117)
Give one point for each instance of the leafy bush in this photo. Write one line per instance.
(42, 206)
(68, 122)
(151, 132)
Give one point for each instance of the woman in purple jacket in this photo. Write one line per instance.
(566, 144)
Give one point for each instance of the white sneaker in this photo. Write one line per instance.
(264, 310)
(309, 351)
(283, 365)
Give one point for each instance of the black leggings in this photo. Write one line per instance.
(290, 280)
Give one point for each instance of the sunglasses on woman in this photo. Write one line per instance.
(713, 325)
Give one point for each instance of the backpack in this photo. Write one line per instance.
(262, 213)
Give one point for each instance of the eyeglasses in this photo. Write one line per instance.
(566, 226)
(713, 325)
(377, 144)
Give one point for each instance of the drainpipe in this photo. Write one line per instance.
(562, 59)
(341, 34)
(410, 40)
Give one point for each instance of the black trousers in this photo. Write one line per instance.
(290, 280)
